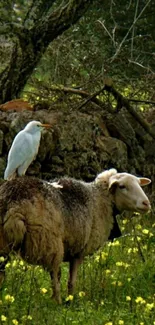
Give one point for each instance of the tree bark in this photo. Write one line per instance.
(22, 45)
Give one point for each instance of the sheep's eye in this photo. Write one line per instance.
(122, 187)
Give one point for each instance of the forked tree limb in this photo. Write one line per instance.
(124, 102)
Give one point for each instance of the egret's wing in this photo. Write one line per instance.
(20, 151)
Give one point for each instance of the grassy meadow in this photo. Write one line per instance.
(115, 286)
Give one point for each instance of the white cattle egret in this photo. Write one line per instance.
(24, 149)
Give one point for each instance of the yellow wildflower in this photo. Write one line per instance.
(119, 263)
(43, 290)
(15, 321)
(128, 298)
(136, 214)
(3, 318)
(126, 265)
(149, 307)
(2, 259)
(70, 298)
(121, 322)
(125, 221)
(8, 265)
(21, 263)
(135, 249)
(97, 258)
(29, 317)
(138, 227)
(109, 323)
(116, 243)
(82, 294)
(119, 283)
(140, 300)
(104, 255)
(107, 271)
(9, 298)
(145, 231)
(14, 263)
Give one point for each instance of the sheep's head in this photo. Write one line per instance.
(126, 190)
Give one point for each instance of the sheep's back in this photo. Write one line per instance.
(67, 210)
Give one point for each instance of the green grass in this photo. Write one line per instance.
(115, 286)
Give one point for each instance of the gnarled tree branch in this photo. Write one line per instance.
(37, 10)
(58, 21)
(121, 102)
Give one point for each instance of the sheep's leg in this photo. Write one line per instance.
(55, 277)
(2, 269)
(73, 268)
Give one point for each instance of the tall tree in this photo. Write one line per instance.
(23, 40)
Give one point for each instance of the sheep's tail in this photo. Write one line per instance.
(105, 176)
(14, 227)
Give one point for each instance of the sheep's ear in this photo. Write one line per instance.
(113, 185)
(144, 181)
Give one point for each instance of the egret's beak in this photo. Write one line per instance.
(46, 125)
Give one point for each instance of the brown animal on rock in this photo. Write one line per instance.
(48, 225)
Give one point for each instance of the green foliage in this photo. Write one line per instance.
(115, 286)
(113, 39)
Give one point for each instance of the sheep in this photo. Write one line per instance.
(48, 225)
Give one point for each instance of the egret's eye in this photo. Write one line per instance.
(122, 187)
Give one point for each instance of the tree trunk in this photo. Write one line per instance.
(22, 45)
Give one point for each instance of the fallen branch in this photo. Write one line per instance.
(86, 95)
